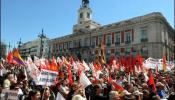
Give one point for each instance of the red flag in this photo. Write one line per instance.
(71, 60)
(70, 75)
(97, 67)
(47, 63)
(151, 82)
(10, 57)
(109, 79)
(140, 60)
(111, 60)
(53, 65)
(117, 86)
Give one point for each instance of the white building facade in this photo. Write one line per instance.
(35, 48)
(150, 35)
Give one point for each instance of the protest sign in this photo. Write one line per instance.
(47, 77)
(9, 95)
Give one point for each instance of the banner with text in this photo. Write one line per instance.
(9, 95)
(47, 77)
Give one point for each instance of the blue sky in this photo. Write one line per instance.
(26, 18)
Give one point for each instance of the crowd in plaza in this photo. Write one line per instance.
(77, 80)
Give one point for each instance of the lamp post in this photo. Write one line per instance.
(9, 46)
(41, 36)
(19, 43)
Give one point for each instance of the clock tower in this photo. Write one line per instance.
(85, 18)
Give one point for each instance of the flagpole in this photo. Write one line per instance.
(129, 78)
(45, 86)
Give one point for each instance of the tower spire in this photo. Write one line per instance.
(85, 3)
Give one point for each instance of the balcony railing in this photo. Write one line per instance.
(117, 43)
(144, 40)
(92, 46)
(108, 44)
(127, 42)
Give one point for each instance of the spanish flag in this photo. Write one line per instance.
(17, 57)
(164, 63)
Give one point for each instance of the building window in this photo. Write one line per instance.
(128, 51)
(108, 52)
(100, 39)
(81, 15)
(144, 51)
(87, 26)
(93, 41)
(117, 38)
(70, 44)
(60, 46)
(79, 43)
(108, 40)
(88, 15)
(128, 37)
(86, 40)
(117, 52)
(112, 50)
(74, 44)
(144, 36)
(65, 45)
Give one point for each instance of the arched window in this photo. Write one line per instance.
(88, 15)
(81, 15)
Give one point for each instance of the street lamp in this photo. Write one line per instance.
(41, 36)
(19, 43)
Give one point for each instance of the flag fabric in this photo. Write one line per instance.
(86, 66)
(37, 61)
(32, 70)
(151, 82)
(84, 80)
(70, 78)
(139, 60)
(157, 70)
(60, 97)
(117, 86)
(47, 63)
(53, 65)
(60, 62)
(17, 57)
(10, 57)
(164, 63)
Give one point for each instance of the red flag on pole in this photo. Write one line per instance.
(151, 82)
(117, 86)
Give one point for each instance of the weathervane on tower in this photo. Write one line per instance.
(85, 3)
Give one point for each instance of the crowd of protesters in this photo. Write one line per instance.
(112, 84)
